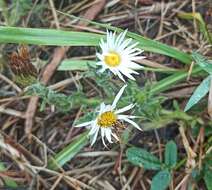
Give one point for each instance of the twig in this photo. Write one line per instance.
(11, 83)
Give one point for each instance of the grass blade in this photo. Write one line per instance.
(72, 65)
(171, 80)
(199, 93)
(47, 37)
(202, 62)
(68, 152)
(70, 38)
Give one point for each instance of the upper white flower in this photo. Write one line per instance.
(107, 118)
(119, 55)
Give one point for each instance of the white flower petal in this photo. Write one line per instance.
(120, 76)
(125, 49)
(100, 56)
(124, 44)
(128, 75)
(128, 70)
(102, 70)
(120, 38)
(133, 123)
(127, 116)
(93, 129)
(126, 108)
(118, 96)
(137, 58)
(95, 136)
(103, 136)
(108, 134)
(102, 107)
(115, 136)
(133, 65)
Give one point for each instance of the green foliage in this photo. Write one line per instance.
(65, 38)
(61, 101)
(204, 86)
(14, 11)
(18, 9)
(171, 80)
(25, 80)
(144, 43)
(202, 62)
(208, 171)
(161, 180)
(142, 158)
(73, 65)
(199, 93)
(171, 154)
(67, 153)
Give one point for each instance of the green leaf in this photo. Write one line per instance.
(208, 179)
(142, 158)
(70, 38)
(68, 152)
(161, 180)
(72, 65)
(199, 93)
(171, 154)
(8, 181)
(47, 37)
(171, 80)
(157, 47)
(208, 170)
(202, 62)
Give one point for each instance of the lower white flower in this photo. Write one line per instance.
(119, 55)
(108, 117)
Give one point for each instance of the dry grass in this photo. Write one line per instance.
(95, 167)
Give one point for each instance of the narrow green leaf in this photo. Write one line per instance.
(171, 154)
(202, 62)
(70, 38)
(171, 80)
(47, 37)
(68, 152)
(72, 65)
(142, 158)
(161, 180)
(199, 93)
(157, 47)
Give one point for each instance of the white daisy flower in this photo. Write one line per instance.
(108, 117)
(119, 55)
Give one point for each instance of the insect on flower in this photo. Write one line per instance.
(119, 55)
(21, 66)
(109, 120)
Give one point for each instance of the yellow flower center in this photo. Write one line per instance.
(107, 119)
(112, 59)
